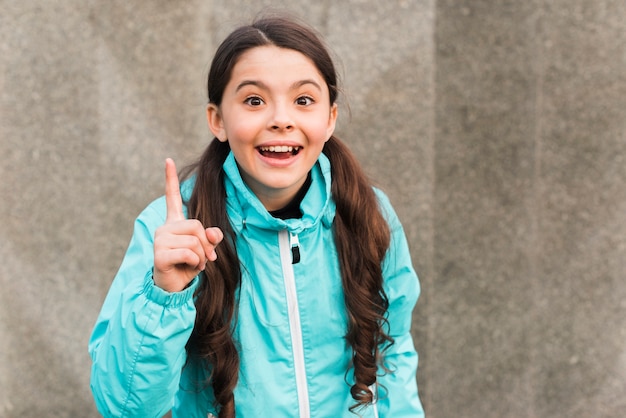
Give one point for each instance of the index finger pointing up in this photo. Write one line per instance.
(173, 201)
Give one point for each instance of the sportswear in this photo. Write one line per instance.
(290, 327)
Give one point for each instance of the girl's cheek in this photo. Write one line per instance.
(242, 135)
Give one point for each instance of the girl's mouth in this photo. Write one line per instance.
(279, 151)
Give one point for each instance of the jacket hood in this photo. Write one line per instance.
(245, 209)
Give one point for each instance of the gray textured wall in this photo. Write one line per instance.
(497, 127)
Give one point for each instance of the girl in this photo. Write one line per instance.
(275, 281)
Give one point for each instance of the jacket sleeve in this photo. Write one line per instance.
(397, 389)
(138, 342)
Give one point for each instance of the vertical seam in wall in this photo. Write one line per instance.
(537, 207)
(430, 331)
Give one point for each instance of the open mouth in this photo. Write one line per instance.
(279, 151)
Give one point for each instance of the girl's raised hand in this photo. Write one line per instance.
(182, 247)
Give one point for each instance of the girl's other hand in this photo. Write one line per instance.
(182, 247)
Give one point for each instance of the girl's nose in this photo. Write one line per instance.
(279, 127)
(281, 119)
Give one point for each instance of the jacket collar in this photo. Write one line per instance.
(245, 209)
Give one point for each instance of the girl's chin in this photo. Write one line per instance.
(280, 185)
(274, 184)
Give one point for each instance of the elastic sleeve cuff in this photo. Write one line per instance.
(168, 299)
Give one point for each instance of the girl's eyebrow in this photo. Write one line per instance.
(244, 83)
(301, 83)
(264, 86)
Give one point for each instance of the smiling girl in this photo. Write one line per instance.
(275, 281)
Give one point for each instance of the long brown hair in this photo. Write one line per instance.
(361, 233)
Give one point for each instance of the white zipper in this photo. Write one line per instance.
(286, 258)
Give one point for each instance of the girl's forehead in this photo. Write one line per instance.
(273, 60)
(270, 50)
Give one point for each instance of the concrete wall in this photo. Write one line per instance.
(498, 128)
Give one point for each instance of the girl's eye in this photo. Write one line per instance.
(304, 101)
(254, 101)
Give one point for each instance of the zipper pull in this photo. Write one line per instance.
(295, 248)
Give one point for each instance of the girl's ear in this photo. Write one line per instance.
(332, 121)
(216, 123)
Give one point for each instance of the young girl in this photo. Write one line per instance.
(275, 281)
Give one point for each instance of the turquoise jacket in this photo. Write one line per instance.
(290, 328)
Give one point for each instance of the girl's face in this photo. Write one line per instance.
(276, 115)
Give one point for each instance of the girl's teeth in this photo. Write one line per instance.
(278, 148)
